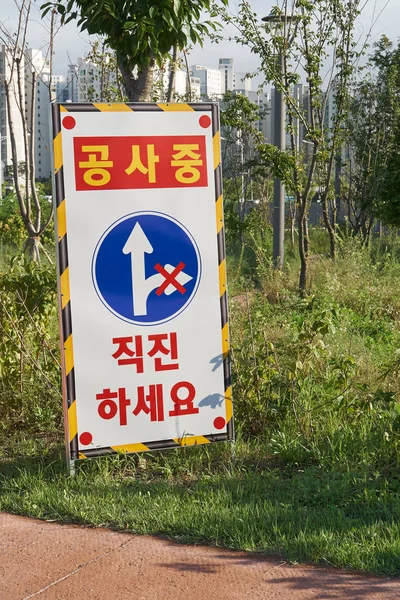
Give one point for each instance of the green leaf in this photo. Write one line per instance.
(129, 25)
(153, 11)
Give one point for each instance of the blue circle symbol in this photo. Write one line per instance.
(146, 268)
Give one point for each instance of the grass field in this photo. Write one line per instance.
(203, 495)
(314, 474)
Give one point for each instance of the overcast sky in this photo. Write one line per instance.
(383, 15)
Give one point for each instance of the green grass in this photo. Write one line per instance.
(203, 495)
(316, 380)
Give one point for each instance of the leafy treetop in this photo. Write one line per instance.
(140, 30)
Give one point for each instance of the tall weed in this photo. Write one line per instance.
(30, 392)
(318, 377)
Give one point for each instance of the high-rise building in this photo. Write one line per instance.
(210, 81)
(243, 83)
(231, 80)
(37, 90)
(330, 108)
(42, 94)
(89, 84)
(182, 89)
(264, 124)
(95, 82)
(301, 99)
(72, 83)
(59, 88)
(226, 70)
(8, 74)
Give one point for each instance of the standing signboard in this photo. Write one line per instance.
(142, 276)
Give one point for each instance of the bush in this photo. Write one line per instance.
(318, 377)
(30, 387)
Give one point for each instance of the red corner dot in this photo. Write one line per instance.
(205, 121)
(85, 438)
(68, 122)
(219, 423)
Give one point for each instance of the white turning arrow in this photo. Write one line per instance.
(138, 245)
(181, 278)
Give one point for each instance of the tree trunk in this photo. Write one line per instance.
(172, 76)
(22, 205)
(292, 222)
(330, 225)
(332, 236)
(303, 251)
(303, 276)
(31, 159)
(188, 80)
(32, 248)
(137, 89)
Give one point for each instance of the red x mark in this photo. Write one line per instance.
(170, 278)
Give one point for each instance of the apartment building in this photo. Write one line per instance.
(210, 81)
(9, 74)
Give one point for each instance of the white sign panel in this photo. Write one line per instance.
(141, 276)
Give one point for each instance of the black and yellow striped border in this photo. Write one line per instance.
(67, 351)
(222, 268)
(71, 425)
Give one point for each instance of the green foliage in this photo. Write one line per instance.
(316, 38)
(12, 230)
(30, 395)
(372, 176)
(247, 181)
(106, 74)
(239, 114)
(140, 30)
(13, 233)
(316, 391)
(306, 370)
(45, 187)
(204, 495)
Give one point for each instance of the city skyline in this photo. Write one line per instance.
(70, 44)
(211, 77)
(84, 83)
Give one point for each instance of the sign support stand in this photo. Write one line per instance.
(71, 468)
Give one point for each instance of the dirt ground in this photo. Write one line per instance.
(64, 562)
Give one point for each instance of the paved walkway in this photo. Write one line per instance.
(49, 561)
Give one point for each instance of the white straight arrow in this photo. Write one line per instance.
(137, 245)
